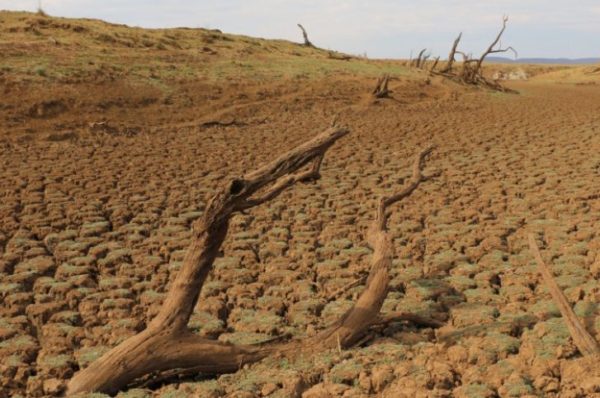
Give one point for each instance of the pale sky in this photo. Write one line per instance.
(381, 28)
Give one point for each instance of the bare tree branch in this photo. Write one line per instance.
(410, 317)
(435, 63)
(451, 57)
(491, 49)
(305, 36)
(586, 344)
(167, 343)
(365, 312)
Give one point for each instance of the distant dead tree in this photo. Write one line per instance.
(40, 9)
(451, 57)
(471, 69)
(419, 60)
(305, 36)
(168, 345)
(492, 49)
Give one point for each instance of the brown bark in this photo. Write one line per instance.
(586, 344)
(470, 72)
(366, 311)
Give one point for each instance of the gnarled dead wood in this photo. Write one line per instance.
(381, 90)
(305, 36)
(451, 57)
(366, 311)
(492, 48)
(586, 344)
(471, 70)
(419, 59)
(167, 343)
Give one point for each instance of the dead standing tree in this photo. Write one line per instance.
(305, 36)
(167, 344)
(419, 60)
(471, 70)
(452, 55)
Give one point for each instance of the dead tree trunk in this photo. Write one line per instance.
(168, 344)
(381, 90)
(451, 57)
(418, 60)
(582, 339)
(305, 36)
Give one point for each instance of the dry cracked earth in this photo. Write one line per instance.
(95, 220)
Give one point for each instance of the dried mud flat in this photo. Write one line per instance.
(99, 187)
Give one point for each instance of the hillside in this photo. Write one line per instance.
(116, 67)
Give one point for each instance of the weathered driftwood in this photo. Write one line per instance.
(167, 345)
(381, 89)
(586, 344)
(418, 61)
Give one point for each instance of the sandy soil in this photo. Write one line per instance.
(99, 183)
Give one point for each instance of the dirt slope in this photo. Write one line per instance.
(102, 175)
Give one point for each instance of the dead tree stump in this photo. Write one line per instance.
(381, 89)
(305, 36)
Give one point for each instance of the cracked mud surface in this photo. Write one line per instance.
(94, 228)
(99, 184)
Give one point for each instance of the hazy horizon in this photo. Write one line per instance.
(382, 29)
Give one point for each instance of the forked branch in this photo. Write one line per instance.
(366, 311)
(492, 48)
(452, 56)
(167, 343)
(586, 344)
(381, 89)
